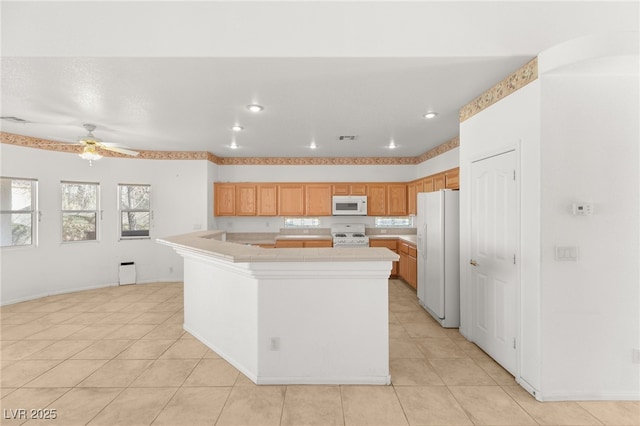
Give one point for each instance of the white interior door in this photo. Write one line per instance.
(492, 267)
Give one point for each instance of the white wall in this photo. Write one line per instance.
(590, 308)
(512, 123)
(338, 173)
(180, 202)
(445, 161)
(577, 131)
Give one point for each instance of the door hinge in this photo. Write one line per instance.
(514, 175)
(514, 343)
(514, 259)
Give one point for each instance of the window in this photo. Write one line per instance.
(80, 208)
(393, 222)
(134, 204)
(301, 222)
(17, 212)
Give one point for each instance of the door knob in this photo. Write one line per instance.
(473, 262)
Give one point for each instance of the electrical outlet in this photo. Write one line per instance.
(275, 344)
(383, 231)
(305, 231)
(170, 269)
(636, 356)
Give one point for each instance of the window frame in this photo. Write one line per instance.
(33, 211)
(120, 211)
(98, 212)
(301, 226)
(408, 219)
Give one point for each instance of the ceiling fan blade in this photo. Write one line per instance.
(120, 150)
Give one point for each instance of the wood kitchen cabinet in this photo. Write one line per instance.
(318, 243)
(412, 267)
(412, 196)
(267, 200)
(224, 199)
(397, 199)
(452, 179)
(291, 199)
(358, 189)
(403, 251)
(284, 243)
(318, 199)
(427, 185)
(377, 199)
(246, 200)
(349, 189)
(391, 244)
(438, 182)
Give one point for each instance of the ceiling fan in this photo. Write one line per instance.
(92, 144)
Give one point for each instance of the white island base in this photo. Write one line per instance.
(289, 316)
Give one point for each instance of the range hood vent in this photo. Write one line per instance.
(347, 138)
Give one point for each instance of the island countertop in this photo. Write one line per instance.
(210, 243)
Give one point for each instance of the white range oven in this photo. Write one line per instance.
(347, 235)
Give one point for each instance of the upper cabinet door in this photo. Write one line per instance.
(291, 199)
(224, 199)
(341, 189)
(377, 199)
(246, 200)
(358, 189)
(267, 200)
(318, 199)
(452, 179)
(427, 185)
(397, 199)
(412, 194)
(438, 182)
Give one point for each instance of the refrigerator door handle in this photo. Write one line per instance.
(422, 241)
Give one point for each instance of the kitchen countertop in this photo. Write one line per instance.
(409, 238)
(209, 243)
(256, 238)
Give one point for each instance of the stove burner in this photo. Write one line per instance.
(340, 235)
(358, 235)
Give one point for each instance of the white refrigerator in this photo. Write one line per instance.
(438, 229)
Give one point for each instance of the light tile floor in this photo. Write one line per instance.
(119, 356)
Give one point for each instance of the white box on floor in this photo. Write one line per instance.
(127, 273)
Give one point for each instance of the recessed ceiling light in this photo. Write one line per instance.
(392, 145)
(255, 108)
(313, 145)
(430, 114)
(237, 128)
(233, 145)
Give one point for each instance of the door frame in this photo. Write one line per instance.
(464, 262)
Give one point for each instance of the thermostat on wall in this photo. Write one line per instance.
(582, 209)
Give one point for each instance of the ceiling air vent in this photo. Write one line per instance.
(347, 138)
(14, 119)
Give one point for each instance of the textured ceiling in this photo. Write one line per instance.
(180, 80)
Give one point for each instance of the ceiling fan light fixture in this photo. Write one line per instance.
(392, 145)
(313, 145)
(237, 128)
(89, 153)
(255, 108)
(233, 145)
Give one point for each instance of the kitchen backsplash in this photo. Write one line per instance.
(276, 224)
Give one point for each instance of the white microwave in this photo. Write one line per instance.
(349, 205)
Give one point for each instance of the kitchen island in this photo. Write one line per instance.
(289, 316)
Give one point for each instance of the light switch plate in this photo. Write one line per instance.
(566, 254)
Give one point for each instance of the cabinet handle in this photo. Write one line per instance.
(473, 262)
